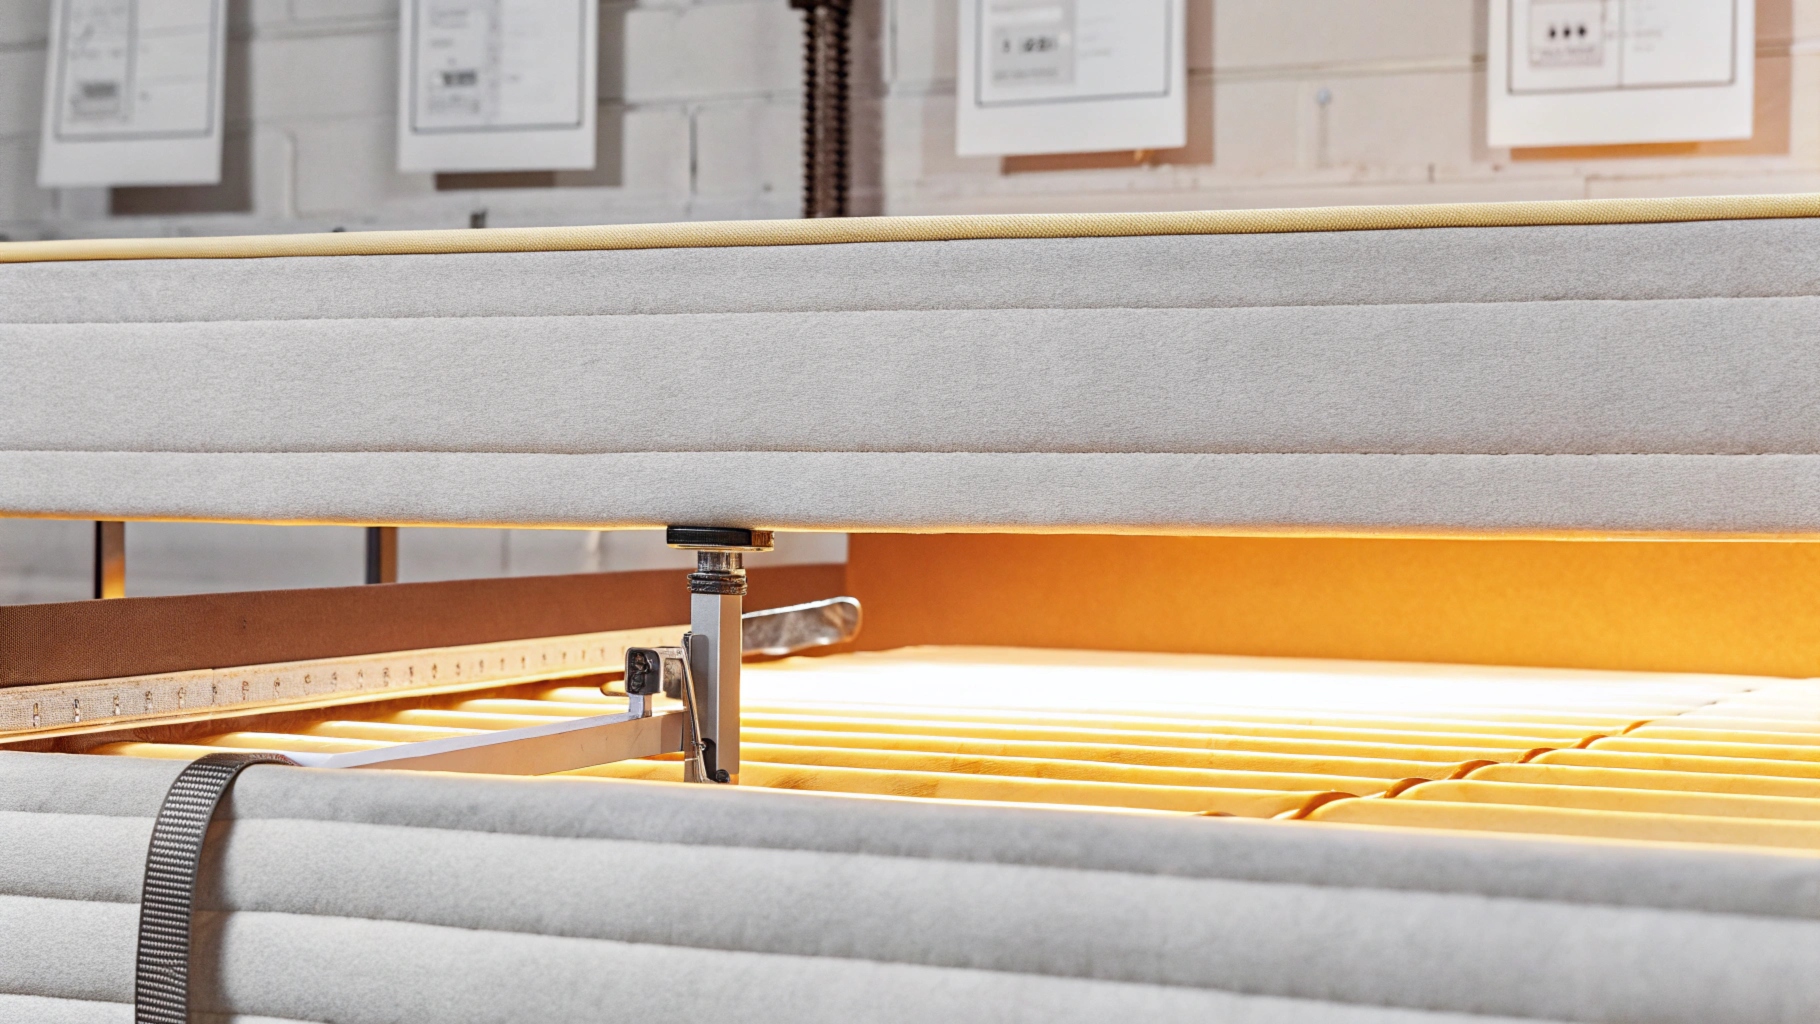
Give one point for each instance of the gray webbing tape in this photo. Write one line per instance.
(161, 975)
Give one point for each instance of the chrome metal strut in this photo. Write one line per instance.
(715, 643)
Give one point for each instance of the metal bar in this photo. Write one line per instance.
(800, 627)
(715, 644)
(110, 559)
(715, 650)
(382, 554)
(533, 750)
(695, 765)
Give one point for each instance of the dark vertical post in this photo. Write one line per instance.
(382, 554)
(110, 559)
(825, 38)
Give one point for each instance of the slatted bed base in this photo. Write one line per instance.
(1680, 758)
(1074, 834)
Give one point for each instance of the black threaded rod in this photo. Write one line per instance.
(825, 39)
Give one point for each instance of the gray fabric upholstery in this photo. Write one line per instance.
(1634, 377)
(399, 897)
(1683, 377)
(957, 491)
(1754, 258)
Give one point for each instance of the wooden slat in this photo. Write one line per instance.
(1676, 828)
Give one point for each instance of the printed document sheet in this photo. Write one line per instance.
(133, 94)
(497, 85)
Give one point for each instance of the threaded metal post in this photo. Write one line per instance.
(826, 26)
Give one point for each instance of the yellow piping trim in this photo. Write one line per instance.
(712, 234)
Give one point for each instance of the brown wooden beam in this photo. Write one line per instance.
(81, 640)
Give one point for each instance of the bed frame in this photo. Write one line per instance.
(1530, 369)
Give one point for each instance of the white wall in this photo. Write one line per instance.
(699, 119)
(1404, 122)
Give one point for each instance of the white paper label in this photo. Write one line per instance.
(497, 85)
(1566, 72)
(133, 93)
(1071, 76)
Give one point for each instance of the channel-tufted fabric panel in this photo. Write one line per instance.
(1545, 378)
(362, 897)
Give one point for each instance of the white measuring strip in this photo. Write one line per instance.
(26, 709)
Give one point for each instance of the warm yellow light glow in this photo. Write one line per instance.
(1683, 758)
(1606, 824)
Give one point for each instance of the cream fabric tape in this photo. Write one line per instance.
(709, 234)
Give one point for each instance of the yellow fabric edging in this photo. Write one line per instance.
(710, 234)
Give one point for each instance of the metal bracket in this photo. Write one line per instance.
(799, 627)
(654, 670)
(702, 673)
(558, 746)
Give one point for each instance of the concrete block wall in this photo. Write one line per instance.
(699, 103)
(1403, 121)
(700, 100)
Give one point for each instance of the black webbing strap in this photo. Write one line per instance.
(161, 975)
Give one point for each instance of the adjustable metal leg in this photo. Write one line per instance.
(717, 594)
(717, 591)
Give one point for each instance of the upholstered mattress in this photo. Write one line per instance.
(1549, 367)
(380, 897)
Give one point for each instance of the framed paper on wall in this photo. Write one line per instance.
(1071, 76)
(133, 93)
(1594, 72)
(497, 85)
